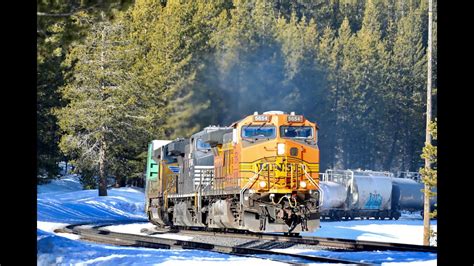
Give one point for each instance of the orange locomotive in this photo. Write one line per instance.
(259, 174)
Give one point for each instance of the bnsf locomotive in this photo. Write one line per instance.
(259, 174)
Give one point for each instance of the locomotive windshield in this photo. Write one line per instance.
(296, 132)
(202, 146)
(259, 132)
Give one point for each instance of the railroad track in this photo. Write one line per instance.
(96, 234)
(336, 243)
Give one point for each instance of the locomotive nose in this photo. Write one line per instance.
(290, 148)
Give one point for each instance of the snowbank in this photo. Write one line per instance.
(67, 183)
(64, 201)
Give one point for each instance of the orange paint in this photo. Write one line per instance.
(237, 162)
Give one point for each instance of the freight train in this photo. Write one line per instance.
(348, 194)
(259, 174)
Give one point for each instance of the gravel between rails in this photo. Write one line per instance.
(248, 243)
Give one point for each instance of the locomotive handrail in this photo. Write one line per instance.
(321, 193)
(242, 191)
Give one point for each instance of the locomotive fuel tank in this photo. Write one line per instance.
(334, 195)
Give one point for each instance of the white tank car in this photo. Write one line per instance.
(357, 193)
(334, 195)
(371, 191)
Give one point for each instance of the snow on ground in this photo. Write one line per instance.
(59, 203)
(54, 250)
(62, 202)
(377, 257)
(50, 227)
(415, 263)
(408, 229)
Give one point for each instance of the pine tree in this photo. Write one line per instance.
(370, 64)
(249, 60)
(338, 54)
(106, 108)
(407, 87)
(430, 176)
(292, 44)
(58, 25)
(201, 100)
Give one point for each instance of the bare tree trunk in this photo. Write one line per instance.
(102, 149)
(426, 205)
(102, 175)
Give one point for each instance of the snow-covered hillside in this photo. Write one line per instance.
(62, 202)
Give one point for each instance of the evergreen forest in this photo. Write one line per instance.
(113, 75)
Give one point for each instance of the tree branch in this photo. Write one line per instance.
(42, 14)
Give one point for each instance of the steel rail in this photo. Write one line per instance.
(126, 239)
(338, 243)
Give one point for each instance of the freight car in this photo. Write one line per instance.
(370, 194)
(259, 174)
(357, 193)
(407, 193)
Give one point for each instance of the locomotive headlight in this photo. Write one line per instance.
(281, 148)
(303, 184)
(263, 184)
